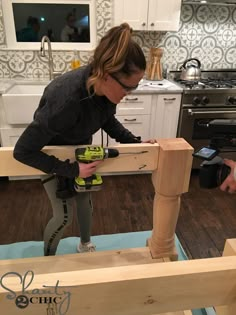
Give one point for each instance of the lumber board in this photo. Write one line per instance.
(134, 162)
(85, 261)
(230, 247)
(229, 250)
(174, 167)
(137, 289)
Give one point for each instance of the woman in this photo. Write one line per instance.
(72, 108)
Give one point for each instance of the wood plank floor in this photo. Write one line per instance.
(207, 217)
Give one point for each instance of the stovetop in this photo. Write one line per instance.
(216, 88)
(210, 81)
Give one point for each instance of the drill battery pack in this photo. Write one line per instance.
(92, 183)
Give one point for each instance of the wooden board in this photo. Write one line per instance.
(229, 250)
(135, 289)
(133, 162)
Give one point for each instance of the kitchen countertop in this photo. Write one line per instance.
(157, 87)
(145, 86)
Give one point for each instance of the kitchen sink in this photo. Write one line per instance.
(21, 100)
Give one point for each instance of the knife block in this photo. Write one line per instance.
(154, 67)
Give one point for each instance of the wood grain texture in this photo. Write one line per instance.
(123, 163)
(162, 287)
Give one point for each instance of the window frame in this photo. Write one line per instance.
(10, 31)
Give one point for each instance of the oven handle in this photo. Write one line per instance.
(192, 112)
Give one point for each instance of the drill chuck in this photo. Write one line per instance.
(110, 153)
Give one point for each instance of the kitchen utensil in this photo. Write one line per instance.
(154, 68)
(191, 71)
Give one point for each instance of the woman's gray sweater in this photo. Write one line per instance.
(68, 115)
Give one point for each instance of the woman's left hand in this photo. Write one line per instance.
(152, 141)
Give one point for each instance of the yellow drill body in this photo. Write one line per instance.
(90, 154)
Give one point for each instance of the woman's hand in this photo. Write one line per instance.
(152, 141)
(86, 170)
(229, 183)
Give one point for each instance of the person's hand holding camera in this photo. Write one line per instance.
(229, 184)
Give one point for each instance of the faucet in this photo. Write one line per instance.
(52, 73)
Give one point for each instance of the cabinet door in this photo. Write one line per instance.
(164, 15)
(137, 124)
(134, 12)
(134, 104)
(165, 116)
(9, 136)
(97, 138)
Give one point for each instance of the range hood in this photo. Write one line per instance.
(211, 2)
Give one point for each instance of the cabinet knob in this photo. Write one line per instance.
(143, 24)
(152, 24)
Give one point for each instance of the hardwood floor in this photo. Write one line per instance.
(207, 217)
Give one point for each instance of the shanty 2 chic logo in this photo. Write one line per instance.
(55, 298)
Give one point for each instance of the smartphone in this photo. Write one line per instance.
(206, 153)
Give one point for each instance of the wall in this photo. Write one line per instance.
(206, 32)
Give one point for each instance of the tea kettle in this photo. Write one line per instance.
(191, 71)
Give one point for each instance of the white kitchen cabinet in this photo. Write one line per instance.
(97, 138)
(165, 115)
(134, 112)
(148, 15)
(100, 138)
(9, 136)
(137, 124)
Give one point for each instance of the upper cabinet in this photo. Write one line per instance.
(148, 15)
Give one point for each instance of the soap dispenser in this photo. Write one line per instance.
(75, 63)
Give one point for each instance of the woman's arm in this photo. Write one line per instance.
(28, 151)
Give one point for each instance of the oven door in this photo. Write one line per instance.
(193, 127)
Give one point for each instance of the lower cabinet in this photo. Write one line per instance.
(138, 125)
(150, 116)
(134, 112)
(98, 136)
(145, 115)
(9, 136)
(165, 115)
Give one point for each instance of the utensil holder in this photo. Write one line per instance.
(154, 67)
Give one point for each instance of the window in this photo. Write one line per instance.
(69, 24)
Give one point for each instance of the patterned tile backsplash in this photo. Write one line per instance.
(205, 32)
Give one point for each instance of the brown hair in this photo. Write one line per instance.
(116, 53)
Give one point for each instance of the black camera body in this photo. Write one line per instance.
(213, 171)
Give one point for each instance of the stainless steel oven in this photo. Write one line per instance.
(203, 101)
(193, 127)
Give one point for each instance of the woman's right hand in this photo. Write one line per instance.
(87, 170)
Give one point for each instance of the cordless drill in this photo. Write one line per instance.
(90, 154)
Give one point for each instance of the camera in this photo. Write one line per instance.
(213, 171)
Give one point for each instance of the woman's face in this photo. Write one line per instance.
(115, 87)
